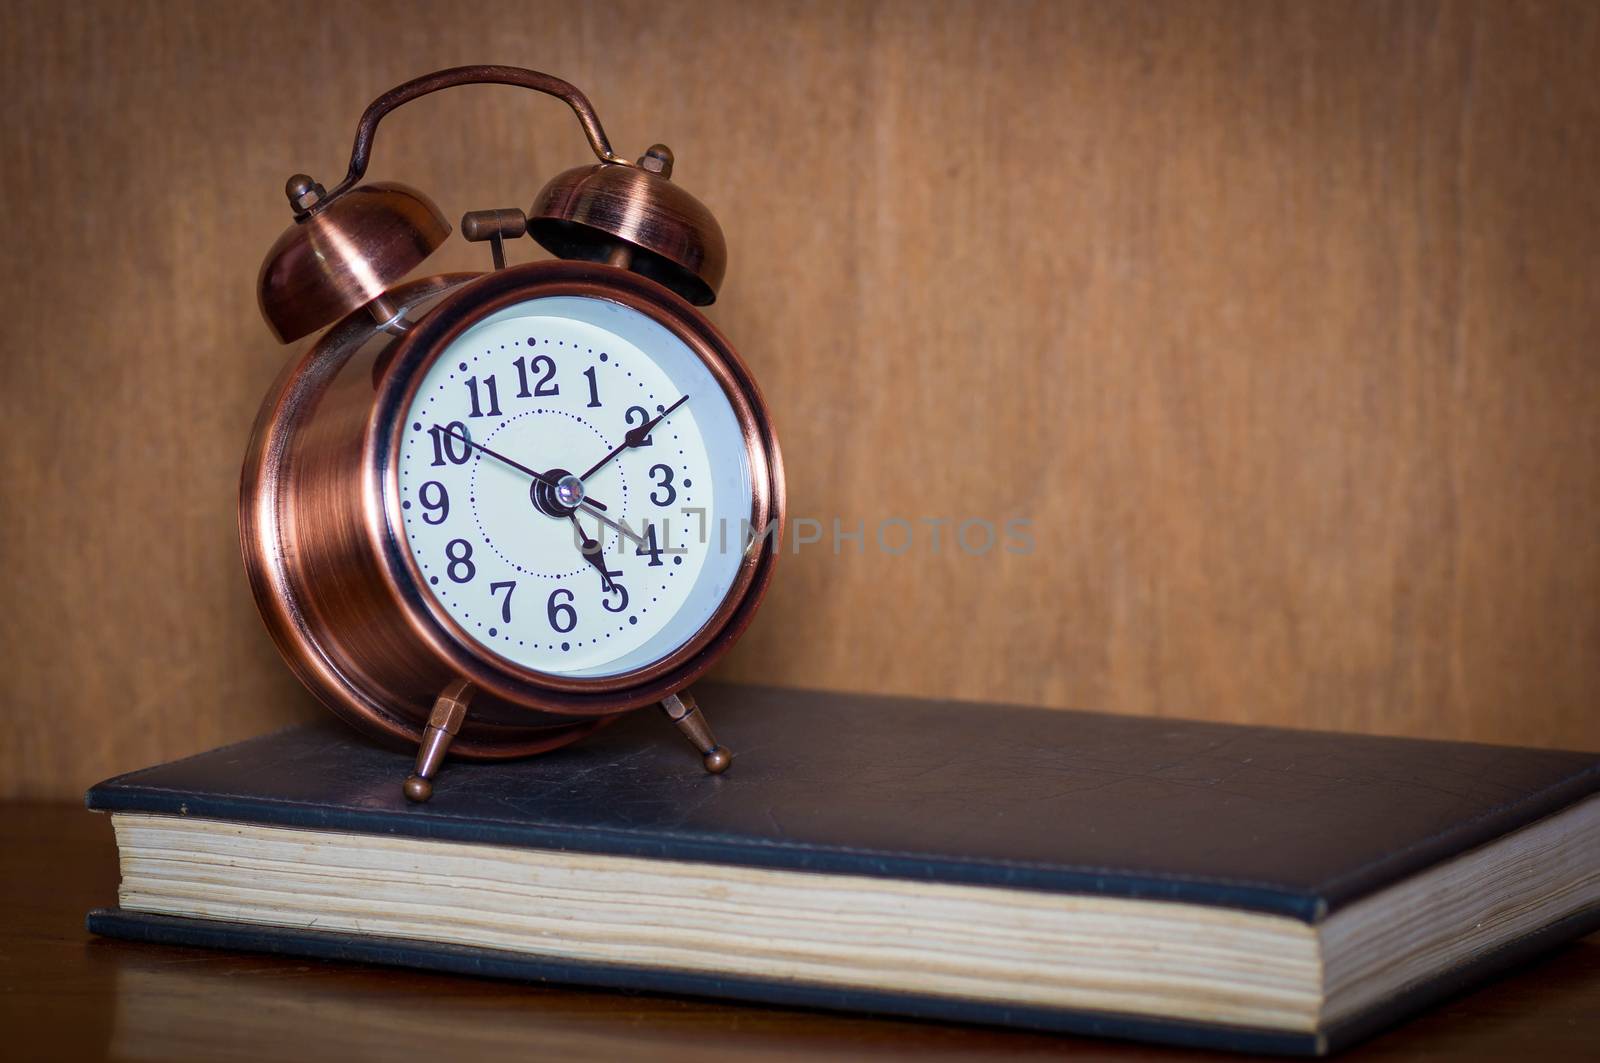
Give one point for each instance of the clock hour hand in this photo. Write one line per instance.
(592, 553)
(635, 436)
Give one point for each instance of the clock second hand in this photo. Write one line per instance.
(596, 507)
(541, 477)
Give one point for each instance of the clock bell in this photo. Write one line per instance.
(347, 247)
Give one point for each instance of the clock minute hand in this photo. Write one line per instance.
(635, 436)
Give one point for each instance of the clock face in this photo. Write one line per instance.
(574, 487)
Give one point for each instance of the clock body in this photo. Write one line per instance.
(477, 500)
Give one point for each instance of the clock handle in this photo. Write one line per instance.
(449, 711)
(685, 714)
(367, 128)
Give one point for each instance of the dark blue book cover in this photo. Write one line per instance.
(1293, 824)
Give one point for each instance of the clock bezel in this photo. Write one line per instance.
(407, 364)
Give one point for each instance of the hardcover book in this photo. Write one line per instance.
(1240, 887)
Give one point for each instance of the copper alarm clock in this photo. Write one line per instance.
(487, 513)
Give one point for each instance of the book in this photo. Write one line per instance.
(1251, 888)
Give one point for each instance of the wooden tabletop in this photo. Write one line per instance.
(65, 994)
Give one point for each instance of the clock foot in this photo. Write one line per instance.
(449, 710)
(691, 722)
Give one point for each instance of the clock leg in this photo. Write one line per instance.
(686, 715)
(449, 710)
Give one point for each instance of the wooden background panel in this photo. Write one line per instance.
(1280, 324)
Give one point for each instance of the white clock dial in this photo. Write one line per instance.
(554, 385)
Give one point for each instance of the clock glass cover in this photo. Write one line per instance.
(534, 524)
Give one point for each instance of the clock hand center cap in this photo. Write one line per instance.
(558, 494)
(569, 490)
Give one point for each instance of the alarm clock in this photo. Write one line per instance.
(486, 514)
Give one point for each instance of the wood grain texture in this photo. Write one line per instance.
(1281, 323)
